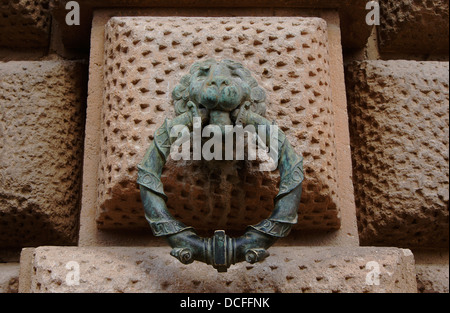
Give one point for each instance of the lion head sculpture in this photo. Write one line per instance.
(224, 93)
(219, 89)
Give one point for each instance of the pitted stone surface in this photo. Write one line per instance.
(41, 137)
(355, 31)
(9, 277)
(146, 57)
(399, 123)
(414, 26)
(288, 270)
(24, 23)
(433, 278)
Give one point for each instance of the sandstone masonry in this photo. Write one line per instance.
(41, 137)
(293, 269)
(414, 26)
(399, 120)
(24, 24)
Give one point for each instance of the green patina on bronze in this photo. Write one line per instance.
(221, 93)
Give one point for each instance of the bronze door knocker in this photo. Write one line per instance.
(219, 93)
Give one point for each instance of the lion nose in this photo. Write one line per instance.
(219, 82)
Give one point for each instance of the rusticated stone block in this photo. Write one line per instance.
(145, 57)
(414, 26)
(287, 270)
(41, 137)
(24, 24)
(399, 122)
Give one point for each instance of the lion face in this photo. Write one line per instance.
(219, 88)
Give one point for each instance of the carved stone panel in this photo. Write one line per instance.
(144, 59)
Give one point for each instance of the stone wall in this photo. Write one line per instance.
(388, 116)
(417, 26)
(399, 117)
(290, 270)
(116, 118)
(24, 24)
(41, 136)
(354, 29)
(398, 97)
